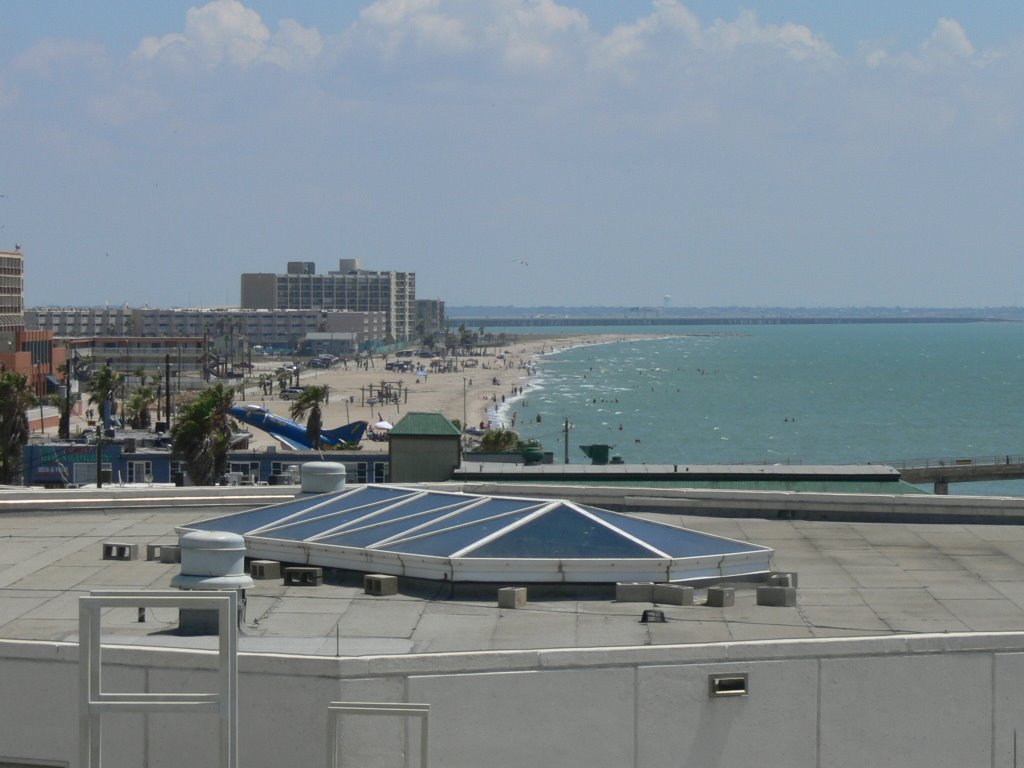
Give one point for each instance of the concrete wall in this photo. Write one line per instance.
(915, 700)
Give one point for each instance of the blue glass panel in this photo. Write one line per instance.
(562, 533)
(446, 543)
(311, 528)
(378, 528)
(244, 522)
(674, 541)
(251, 520)
(345, 501)
(489, 508)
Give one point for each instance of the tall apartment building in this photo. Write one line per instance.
(28, 352)
(12, 292)
(349, 288)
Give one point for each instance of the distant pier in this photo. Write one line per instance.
(634, 322)
(942, 472)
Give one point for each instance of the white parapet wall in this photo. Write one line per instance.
(910, 700)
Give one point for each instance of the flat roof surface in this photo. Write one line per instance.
(855, 579)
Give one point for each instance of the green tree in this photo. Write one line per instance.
(310, 403)
(137, 409)
(103, 388)
(15, 399)
(64, 403)
(202, 434)
(500, 440)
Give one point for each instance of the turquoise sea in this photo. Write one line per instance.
(809, 394)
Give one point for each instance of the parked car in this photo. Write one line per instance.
(291, 393)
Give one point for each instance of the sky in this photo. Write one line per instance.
(526, 152)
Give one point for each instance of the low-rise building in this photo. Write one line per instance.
(225, 327)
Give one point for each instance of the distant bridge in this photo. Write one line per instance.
(942, 472)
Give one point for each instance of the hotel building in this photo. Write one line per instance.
(349, 288)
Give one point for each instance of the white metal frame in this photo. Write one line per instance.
(93, 701)
(400, 709)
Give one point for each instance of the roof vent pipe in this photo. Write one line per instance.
(211, 560)
(322, 476)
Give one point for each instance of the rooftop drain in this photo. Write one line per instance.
(652, 616)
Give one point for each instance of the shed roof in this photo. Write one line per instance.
(426, 423)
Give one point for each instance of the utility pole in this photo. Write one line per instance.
(167, 387)
(566, 439)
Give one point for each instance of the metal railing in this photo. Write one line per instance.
(955, 461)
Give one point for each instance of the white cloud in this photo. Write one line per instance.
(225, 32)
(672, 30)
(390, 25)
(631, 41)
(794, 40)
(523, 35)
(948, 39)
(947, 46)
(294, 46)
(536, 35)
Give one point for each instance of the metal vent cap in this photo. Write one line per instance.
(212, 560)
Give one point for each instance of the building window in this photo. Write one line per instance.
(140, 472)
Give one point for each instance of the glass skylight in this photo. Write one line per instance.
(458, 536)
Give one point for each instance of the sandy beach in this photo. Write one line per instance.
(476, 390)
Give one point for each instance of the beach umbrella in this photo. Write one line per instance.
(384, 425)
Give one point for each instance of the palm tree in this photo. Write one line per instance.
(15, 399)
(202, 434)
(65, 402)
(310, 402)
(103, 388)
(136, 410)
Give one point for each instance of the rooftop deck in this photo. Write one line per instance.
(855, 579)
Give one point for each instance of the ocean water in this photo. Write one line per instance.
(807, 394)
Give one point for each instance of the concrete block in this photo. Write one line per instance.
(303, 576)
(779, 597)
(170, 553)
(634, 592)
(265, 569)
(115, 550)
(721, 597)
(152, 552)
(673, 594)
(380, 584)
(512, 597)
(783, 579)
